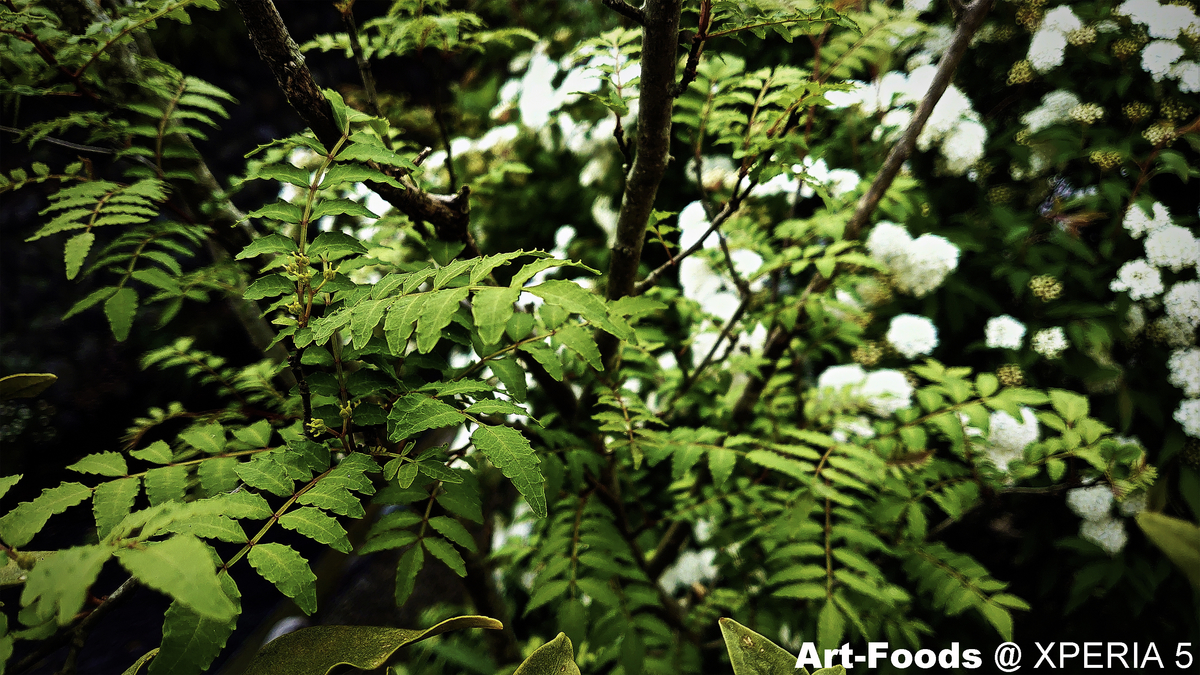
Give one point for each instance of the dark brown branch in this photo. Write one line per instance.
(972, 19)
(449, 214)
(698, 40)
(780, 338)
(626, 10)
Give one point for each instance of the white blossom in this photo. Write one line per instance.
(888, 241)
(691, 568)
(1091, 503)
(1162, 21)
(1135, 319)
(838, 377)
(1050, 342)
(1184, 367)
(918, 265)
(1046, 49)
(1108, 534)
(1158, 56)
(1172, 246)
(1139, 278)
(1008, 438)
(1188, 74)
(917, 5)
(887, 391)
(1188, 416)
(1055, 107)
(1004, 332)
(1133, 505)
(1177, 333)
(1061, 19)
(1139, 221)
(912, 335)
(1182, 303)
(963, 147)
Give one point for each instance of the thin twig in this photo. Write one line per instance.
(80, 628)
(66, 144)
(626, 10)
(346, 9)
(697, 48)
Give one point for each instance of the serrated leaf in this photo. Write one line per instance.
(753, 654)
(243, 504)
(289, 571)
(112, 501)
(342, 174)
(374, 153)
(157, 452)
(436, 314)
(344, 207)
(119, 309)
(285, 173)
(315, 525)
(209, 438)
(529, 271)
(270, 244)
(443, 551)
(281, 211)
(547, 592)
(210, 526)
(57, 585)
(102, 463)
(270, 286)
(334, 243)
(582, 343)
(720, 463)
(191, 641)
(454, 531)
(264, 473)
(94, 298)
(414, 413)
(387, 540)
(257, 435)
(159, 279)
(497, 406)
(182, 568)
(166, 484)
(333, 497)
(545, 356)
(511, 374)
(6, 483)
(407, 569)
(831, 625)
(492, 307)
(510, 452)
(17, 527)
(75, 252)
(320, 649)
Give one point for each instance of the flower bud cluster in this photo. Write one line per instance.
(1105, 159)
(1010, 375)
(1045, 287)
(1087, 113)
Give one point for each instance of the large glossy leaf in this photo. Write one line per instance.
(1178, 539)
(317, 650)
(753, 654)
(556, 657)
(25, 385)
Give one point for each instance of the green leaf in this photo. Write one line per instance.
(414, 413)
(285, 173)
(454, 531)
(281, 211)
(406, 573)
(76, 251)
(1178, 539)
(25, 385)
(1071, 406)
(387, 540)
(556, 657)
(243, 505)
(582, 343)
(112, 501)
(289, 571)
(191, 641)
(342, 174)
(529, 271)
(210, 526)
(753, 654)
(374, 153)
(270, 244)
(496, 406)
(182, 568)
(510, 452)
(720, 464)
(270, 286)
(17, 527)
(314, 524)
(334, 243)
(264, 473)
(120, 309)
(340, 110)
(320, 649)
(209, 438)
(545, 356)
(831, 626)
(511, 374)
(6, 482)
(102, 463)
(157, 452)
(492, 307)
(57, 585)
(986, 384)
(166, 484)
(257, 435)
(442, 549)
(344, 207)
(1000, 618)
(547, 592)
(436, 314)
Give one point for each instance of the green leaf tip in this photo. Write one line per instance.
(318, 650)
(753, 654)
(556, 657)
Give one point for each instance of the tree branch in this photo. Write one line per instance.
(449, 214)
(626, 10)
(779, 339)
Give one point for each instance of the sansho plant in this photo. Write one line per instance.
(611, 460)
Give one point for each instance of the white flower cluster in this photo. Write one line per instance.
(912, 335)
(1184, 367)
(882, 391)
(1182, 303)
(1050, 40)
(1094, 505)
(1050, 342)
(1055, 107)
(918, 265)
(1139, 221)
(1166, 23)
(1004, 332)
(1139, 278)
(1188, 416)
(1008, 438)
(1172, 246)
(954, 123)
